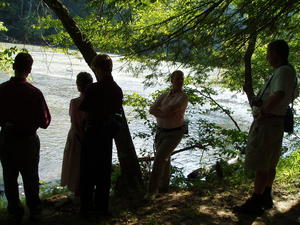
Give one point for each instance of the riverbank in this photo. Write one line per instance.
(209, 202)
(212, 205)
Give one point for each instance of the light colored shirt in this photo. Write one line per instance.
(284, 79)
(172, 106)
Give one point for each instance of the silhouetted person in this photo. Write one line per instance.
(169, 109)
(266, 132)
(70, 174)
(23, 111)
(103, 100)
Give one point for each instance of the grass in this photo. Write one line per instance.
(288, 170)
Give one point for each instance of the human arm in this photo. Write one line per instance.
(155, 108)
(282, 89)
(272, 101)
(77, 117)
(175, 106)
(44, 117)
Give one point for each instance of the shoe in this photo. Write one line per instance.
(253, 205)
(35, 214)
(15, 213)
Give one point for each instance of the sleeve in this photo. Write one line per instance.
(284, 80)
(71, 109)
(45, 117)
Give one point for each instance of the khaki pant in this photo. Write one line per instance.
(264, 144)
(165, 143)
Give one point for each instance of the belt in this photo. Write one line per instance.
(169, 129)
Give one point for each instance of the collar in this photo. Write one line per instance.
(18, 79)
(107, 79)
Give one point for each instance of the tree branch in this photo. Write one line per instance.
(80, 40)
(151, 158)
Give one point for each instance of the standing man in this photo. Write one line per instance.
(266, 132)
(102, 103)
(169, 109)
(23, 111)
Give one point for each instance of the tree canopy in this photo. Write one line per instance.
(201, 35)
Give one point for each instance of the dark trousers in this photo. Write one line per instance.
(20, 154)
(95, 169)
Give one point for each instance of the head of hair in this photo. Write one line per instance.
(103, 62)
(83, 79)
(280, 47)
(23, 62)
(176, 73)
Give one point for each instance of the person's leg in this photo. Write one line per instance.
(165, 178)
(11, 190)
(103, 181)
(29, 171)
(166, 143)
(10, 175)
(271, 177)
(86, 185)
(267, 193)
(260, 182)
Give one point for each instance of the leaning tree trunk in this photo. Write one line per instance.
(131, 177)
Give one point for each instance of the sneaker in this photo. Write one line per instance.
(253, 205)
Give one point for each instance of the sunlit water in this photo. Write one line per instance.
(54, 74)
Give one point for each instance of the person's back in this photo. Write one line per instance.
(23, 111)
(71, 160)
(20, 106)
(103, 100)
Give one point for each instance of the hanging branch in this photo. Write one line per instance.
(151, 158)
(79, 38)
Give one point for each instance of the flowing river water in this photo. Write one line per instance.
(54, 74)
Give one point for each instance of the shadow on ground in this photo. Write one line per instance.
(182, 208)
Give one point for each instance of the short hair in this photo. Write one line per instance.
(176, 72)
(83, 80)
(23, 62)
(103, 62)
(280, 47)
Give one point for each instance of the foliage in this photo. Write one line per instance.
(51, 189)
(216, 141)
(200, 35)
(288, 169)
(6, 57)
(2, 27)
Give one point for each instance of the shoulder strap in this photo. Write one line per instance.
(267, 85)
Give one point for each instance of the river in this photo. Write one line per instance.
(54, 74)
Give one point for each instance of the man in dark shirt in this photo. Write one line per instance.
(102, 103)
(23, 111)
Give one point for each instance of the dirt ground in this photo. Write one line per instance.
(191, 207)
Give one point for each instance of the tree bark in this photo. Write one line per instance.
(131, 176)
(248, 88)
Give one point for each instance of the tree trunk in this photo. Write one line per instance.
(248, 88)
(131, 176)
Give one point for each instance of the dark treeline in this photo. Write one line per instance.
(19, 16)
